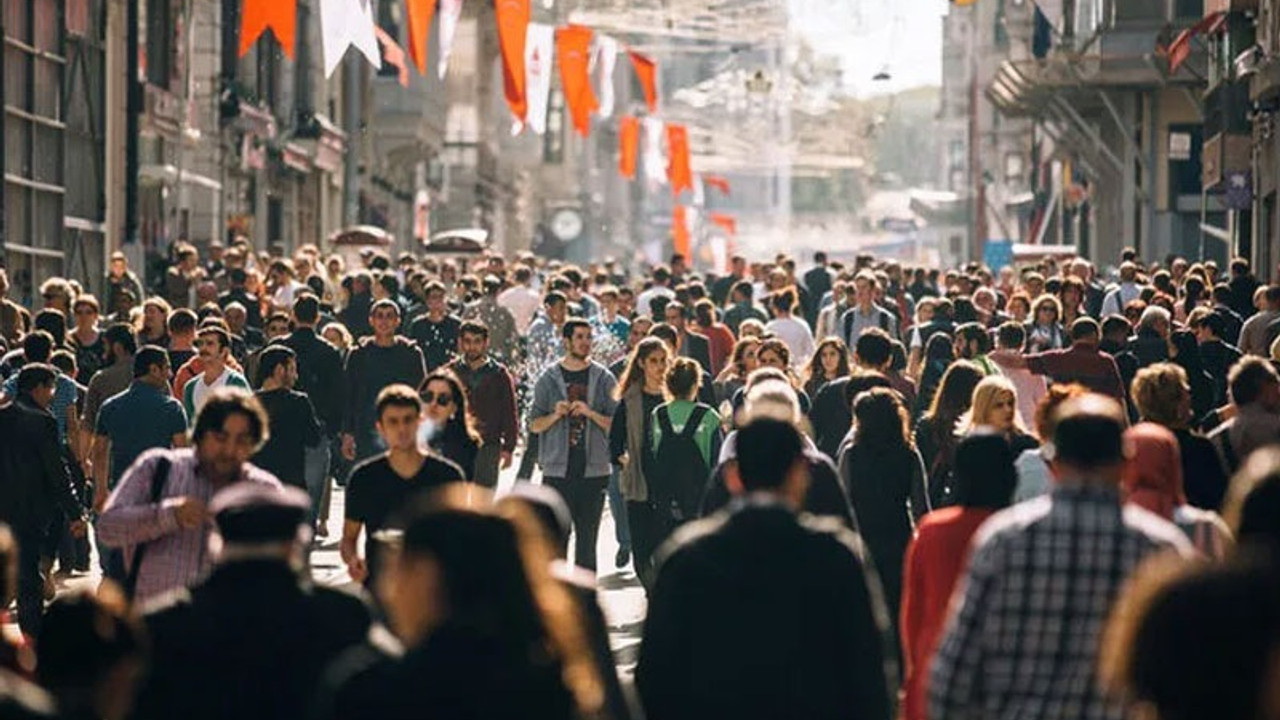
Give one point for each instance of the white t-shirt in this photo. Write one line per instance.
(201, 389)
(523, 303)
(643, 302)
(285, 293)
(796, 334)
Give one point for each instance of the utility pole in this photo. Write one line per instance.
(133, 110)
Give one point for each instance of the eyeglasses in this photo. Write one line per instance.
(443, 399)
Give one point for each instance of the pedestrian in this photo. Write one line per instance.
(572, 409)
(791, 330)
(995, 406)
(717, 333)
(686, 443)
(214, 345)
(1083, 362)
(885, 478)
(1162, 396)
(1034, 476)
(936, 432)
(688, 343)
(742, 307)
(1253, 334)
(253, 639)
(742, 363)
(182, 337)
(864, 314)
(436, 330)
(988, 662)
(1152, 480)
(386, 359)
(984, 482)
(92, 651)
(1217, 357)
(38, 488)
(471, 602)
(503, 338)
(292, 423)
(121, 281)
(37, 349)
(238, 294)
(384, 485)
(1195, 640)
(811, 602)
(1255, 396)
(640, 390)
(86, 339)
(491, 398)
(829, 362)
(158, 514)
(451, 426)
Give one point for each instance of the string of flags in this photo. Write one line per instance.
(585, 60)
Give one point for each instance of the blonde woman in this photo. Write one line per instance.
(995, 406)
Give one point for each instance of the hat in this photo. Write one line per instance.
(250, 512)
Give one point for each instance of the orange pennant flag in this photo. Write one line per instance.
(647, 71)
(628, 145)
(726, 222)
(718, 182)
(513, 28)
(393, 54)
(421, 12)
(259, 16)
(680, 240)
(573, 51)
(679, 173)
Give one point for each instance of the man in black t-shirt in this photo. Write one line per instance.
(436, 331)
(293, 423)
(384, 485)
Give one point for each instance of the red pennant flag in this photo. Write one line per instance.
(628, 145)
(393, 54)
(1180, 49)
(573, 51)
(647, 71)
(678, 171)
(278, 16)
(513, 26)
(718, 182)
(421, 13)
(726, 222)
(680, 240)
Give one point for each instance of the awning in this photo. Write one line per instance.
(168, 175)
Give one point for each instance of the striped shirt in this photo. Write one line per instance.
(176, 558)
(1023, 640)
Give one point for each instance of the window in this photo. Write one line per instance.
(159, 53)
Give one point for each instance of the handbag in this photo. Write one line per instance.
(158, 480)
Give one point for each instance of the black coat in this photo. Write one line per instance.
(759, 613)
(825, 496)
(319, 375)
(697, 347)
(252, 641)
(34, 479)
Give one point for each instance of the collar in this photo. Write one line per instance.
(1076, 488)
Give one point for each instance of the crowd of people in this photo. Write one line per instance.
(865, 490)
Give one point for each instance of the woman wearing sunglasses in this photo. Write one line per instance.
(448, 423)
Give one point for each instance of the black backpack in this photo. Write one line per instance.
(678, 473)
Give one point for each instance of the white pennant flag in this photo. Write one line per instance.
(450, 11)
(606, 61)
(655, 161)
(539, 67)
(346, 23)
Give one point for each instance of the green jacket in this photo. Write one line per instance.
(234, 379)
(707, 437)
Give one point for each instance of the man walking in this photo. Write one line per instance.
(36, 483)
(436, 331)
(387, 359)
(292, 423)
(1042, 578)
(492, 398)
(159, 513)
(320, 377)
(214, 347)
(758, 612)
(572, 410)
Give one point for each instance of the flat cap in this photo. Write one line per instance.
(249, 512)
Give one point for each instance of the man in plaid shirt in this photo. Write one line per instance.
(1023, 641)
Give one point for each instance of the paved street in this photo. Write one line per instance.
(620, 592)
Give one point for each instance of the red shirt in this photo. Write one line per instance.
(720, 340)
(935, 559)
(1084, 364)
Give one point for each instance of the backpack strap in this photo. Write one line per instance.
(159, 477)
(663, 416)
(848, 328)
(695, 421)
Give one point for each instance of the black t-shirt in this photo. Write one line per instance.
(376, 494)
(438, 340)
(294, 428)
(178, 358)
(575, 382)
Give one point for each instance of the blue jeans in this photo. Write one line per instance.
(618, 509)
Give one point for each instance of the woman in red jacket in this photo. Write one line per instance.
(984, 480)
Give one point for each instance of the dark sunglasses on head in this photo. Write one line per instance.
(441, 400)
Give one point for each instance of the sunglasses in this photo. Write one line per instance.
(440, 400)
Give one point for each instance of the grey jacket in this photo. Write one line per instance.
(553, 445)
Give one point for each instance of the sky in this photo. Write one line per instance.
(904, 36)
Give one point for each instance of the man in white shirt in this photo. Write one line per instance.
(791, 330)
(521, 299)
(282, 279)
(1124, 293)
(661, 288)
(213, 344)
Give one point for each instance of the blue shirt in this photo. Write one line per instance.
(620, 328)
(64, 396)
(136, 420)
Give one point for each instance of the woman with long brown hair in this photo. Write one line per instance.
(640, 392)
(830, 361)
(936, 432)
